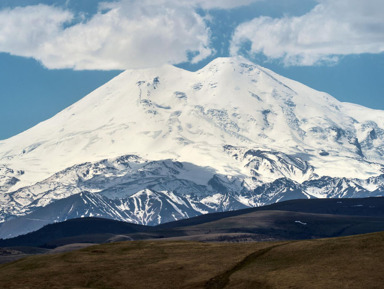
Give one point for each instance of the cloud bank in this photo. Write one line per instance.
(22, 30)
(125, 34)
(331, 29)
(143, 33)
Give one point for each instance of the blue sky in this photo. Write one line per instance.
(52, 53)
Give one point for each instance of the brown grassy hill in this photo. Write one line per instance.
(348, 262)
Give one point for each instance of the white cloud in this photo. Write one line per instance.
(22, 30)
(125, 34)
(222, 4)
(331, 29)
(204, 4)
(131, 34)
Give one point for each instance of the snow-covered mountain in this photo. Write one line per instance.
(165, 143)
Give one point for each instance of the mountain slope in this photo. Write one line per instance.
(165, 144)
(169, 113)
(135, 190)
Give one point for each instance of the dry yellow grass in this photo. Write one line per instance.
(351, 262)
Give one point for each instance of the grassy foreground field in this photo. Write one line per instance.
(348, 262)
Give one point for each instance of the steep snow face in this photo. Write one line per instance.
(8, 178)
(130, 177)
(169, 113)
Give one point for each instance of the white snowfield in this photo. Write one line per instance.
(169, 113)
(162, 144)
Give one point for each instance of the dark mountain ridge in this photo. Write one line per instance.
(294, 219)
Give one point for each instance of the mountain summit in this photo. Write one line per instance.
(225, 134)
